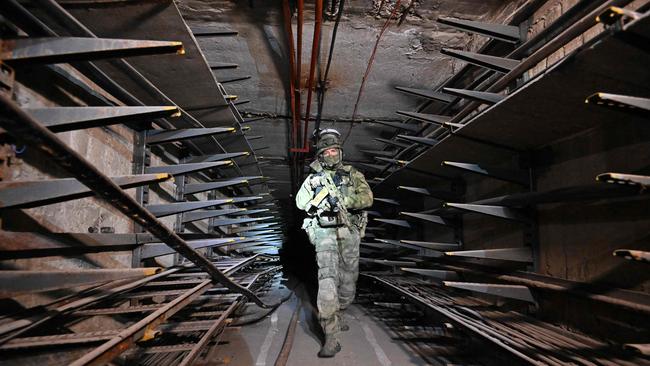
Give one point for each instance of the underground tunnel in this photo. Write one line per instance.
(327, 182)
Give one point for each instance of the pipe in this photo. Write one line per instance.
(29, 131)
(312, 71)
(298, 80)
(292, 71)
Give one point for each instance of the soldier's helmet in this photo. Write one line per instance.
(328, 138)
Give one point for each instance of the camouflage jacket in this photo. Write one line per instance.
(351, 183)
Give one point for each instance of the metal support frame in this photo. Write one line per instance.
(29, 131)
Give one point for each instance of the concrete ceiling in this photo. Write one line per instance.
(408, 55)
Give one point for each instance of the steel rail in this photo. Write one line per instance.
(219, 323)
(554, 346)
(144, 328)
(68, 304)
(26, 129)
(451, 315)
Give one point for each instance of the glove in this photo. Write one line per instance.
(333, 201)
(317, 181)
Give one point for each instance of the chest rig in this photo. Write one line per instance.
(343, 183)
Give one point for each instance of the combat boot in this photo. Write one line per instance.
(343, 324)
(330, 348)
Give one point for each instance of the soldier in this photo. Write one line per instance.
(333, 196)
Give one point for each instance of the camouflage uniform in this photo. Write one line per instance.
(337, 246)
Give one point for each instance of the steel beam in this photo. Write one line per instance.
(391, 263)
(182, 169)
(641, 181)
(429, 218)
(506, 254)
(234, 79)
(502, 32)
(514, 176)
(432, 245)
(499, 64)
(479, 96)
(193, 188)
(152, 250)
(39, 193)
(439, 274)
(14, 244)
(428, 94)
(392, 161)
(216, 157)
(167, 209)
(142, 329)
(389, 201)
(430, 118)
(240, 229)
(14, 283)
(419, 140)
(633, 255)
(212, 32)
(517, 292)
(54, 50)
(228, 222)
(61, 119)
(163, 136)
(202, 215)
(252, 212)
(623, 103)
(222, 65)
(401, 223)
(246, 199)
(495, 211)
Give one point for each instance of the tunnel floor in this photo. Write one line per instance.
(368, 342)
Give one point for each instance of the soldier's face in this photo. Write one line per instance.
(333, 152)
(332, 156)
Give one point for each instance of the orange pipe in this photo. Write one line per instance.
(292, 73)
(312, 71)
(301, 21)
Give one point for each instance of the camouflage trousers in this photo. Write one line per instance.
(337, 255)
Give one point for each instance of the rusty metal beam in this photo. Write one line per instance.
(499, 64)
(152, 250)
(193, 188)
(428, 94)
(30, 132)
(167, 209)
(163, 136)
(28, 194)
(502, 32)
(68, 49)
(19, 282)
(61, 119)
(182, 169)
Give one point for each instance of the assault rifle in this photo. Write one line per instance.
(328, 190)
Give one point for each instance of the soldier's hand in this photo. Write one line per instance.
(333, 201)
(311, 209)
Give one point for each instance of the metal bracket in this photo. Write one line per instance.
(7, 79)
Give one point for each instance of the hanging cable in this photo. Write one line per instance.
(323, 81)
(370, 61)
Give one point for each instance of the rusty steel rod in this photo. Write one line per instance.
(26, 129)
(318, 22)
